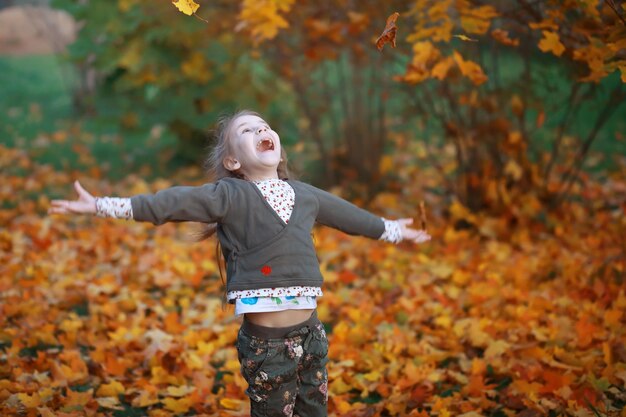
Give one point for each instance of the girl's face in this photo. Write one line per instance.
(255, 148)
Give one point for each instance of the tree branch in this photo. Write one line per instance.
(613, 7)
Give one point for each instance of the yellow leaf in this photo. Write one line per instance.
(188, 7)
(193, 361)
(551, 43)
(112, 389)
(263, 18)
(206, 348)
(425, 53)
(443, 321)
(513, 169)
(386, 164)
(109, 402)
(442, 270)
(338, 387)
(177, 405)
(465, 38)
(372, 376)
(29, 401)
(180, 391)
(496, 348)
(231, 404)
(441, 68)
(470, 69)
(471, 24)
(145, 398)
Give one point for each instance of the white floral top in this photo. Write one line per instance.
(280, 196)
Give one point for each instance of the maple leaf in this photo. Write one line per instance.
(551, 43)
(188, 7)
(389, 33)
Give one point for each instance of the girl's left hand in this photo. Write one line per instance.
(417, 236)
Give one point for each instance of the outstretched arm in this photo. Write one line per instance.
(207, 203)
(345, 216)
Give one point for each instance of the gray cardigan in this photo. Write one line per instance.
(261, 250)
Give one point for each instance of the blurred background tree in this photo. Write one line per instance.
(517, 93)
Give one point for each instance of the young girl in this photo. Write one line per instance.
(263, 221)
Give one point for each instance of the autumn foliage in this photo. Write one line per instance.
(517, 305)
(495, 316)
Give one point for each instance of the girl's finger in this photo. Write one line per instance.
(405, 221)
(80, 190)
(57, 210)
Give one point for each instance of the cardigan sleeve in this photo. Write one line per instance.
(207, 203)
(342, 215)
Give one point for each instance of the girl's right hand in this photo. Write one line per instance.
(86, 203)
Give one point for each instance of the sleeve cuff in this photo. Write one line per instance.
(117, 208)
(393, 232)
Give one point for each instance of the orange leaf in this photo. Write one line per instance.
(551, 43)
(389, 34)
(470, 69)
(172, 325)
(541, 117)
(555, 380)
(502, 36)
(441, 68)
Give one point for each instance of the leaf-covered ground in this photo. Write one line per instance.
(521, 314)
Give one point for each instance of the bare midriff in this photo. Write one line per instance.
(282, 318)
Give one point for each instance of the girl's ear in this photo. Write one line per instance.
(231, 163)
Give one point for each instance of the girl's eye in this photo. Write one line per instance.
(245, 130)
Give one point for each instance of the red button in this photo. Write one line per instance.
(266, 270)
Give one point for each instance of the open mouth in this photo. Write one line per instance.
(266, 144)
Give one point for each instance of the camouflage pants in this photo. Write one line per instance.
(285, 368)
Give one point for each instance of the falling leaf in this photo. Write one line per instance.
(389, 33)
(465, 38)
(188, 7)
(422, 215)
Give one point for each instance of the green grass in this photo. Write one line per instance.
(36, 103)
(35, 96)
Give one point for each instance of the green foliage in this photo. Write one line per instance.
(154, 67)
